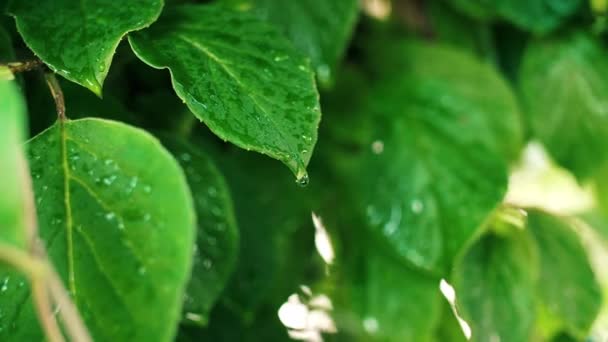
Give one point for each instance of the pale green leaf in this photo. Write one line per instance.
(117, 219)
(240, 77)
(12, 169)
(564, 87)
(78, 39)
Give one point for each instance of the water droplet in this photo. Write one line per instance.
(185, 157)
(378, 147)
(281, 58)
(147, 217)
(324, 73)
(147, 189)
(417, 206)
(141, 270)
(302, 179)
(212, 191)
(207, 264)
(110, 216)
(109, 180)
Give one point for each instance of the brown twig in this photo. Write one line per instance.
(17, 67)
(57, 93)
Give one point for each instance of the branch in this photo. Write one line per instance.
(57, 93)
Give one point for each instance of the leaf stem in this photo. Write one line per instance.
(57, 93)
(17, 67)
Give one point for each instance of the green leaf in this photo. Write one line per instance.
(449, 329)
(538, 16)
(568, 288)
(450, 78)
(13, 169)
(118, 222)
(564, 86)
(388, 299)
(216, 250)
(495, 285)
(433, 166)
(276, 233)
(318, 28)
(78, 40)
(246, 83)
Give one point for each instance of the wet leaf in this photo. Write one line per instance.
(433, 166)
(568, 288)
(564, 86)
(216, 250)
(247, 84)
(318, 28)
(118, 223)
(78, 40)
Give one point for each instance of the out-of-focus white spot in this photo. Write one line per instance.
(450, 295)
(379, 9)
(293, 313)
(370, 324)
(322, 241)
(538, 182)
(306, 320)
(448, 291)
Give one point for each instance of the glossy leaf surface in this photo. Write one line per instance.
(78, 39)
(118, 222)
(247, 84)
(320, 29)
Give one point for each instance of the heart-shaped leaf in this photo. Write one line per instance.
(246, 83)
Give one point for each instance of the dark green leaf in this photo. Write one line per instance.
(13, 168)
(564, 85)
(276, 233)
(118, 222)
(216, 248)
(538, 16)
(78, 39)
(568, 288)
(320, 29)
(495, 285)
(246, 83)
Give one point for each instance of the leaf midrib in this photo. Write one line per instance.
(229, 71)
(68, 211)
